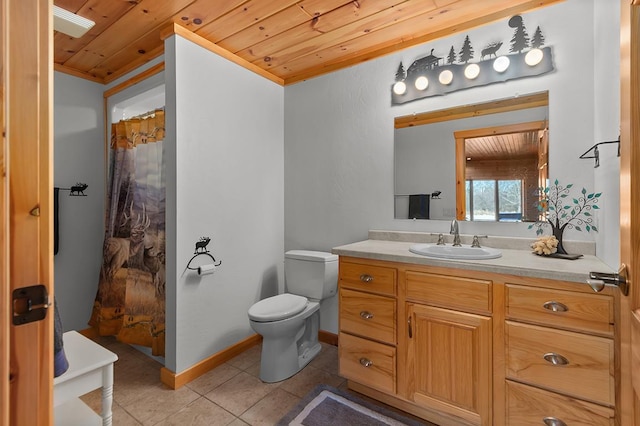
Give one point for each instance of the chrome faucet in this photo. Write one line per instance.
(454, 231)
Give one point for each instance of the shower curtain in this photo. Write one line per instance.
(130, 302)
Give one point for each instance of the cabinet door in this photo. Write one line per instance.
(449, 362)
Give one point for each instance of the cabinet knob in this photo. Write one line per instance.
(555, 359)
(366, 315)
(554, 306)
(553, 421)
(366, 362)
(366, 278)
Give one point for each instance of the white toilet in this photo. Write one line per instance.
(289, 322)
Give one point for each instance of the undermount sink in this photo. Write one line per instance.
(450, 252)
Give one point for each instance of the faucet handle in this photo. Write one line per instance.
(476, 241)
(440, 239)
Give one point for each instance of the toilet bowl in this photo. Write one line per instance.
(289, 323)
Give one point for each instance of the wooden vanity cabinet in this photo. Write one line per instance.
(367, 339)
(462, 347)
(559, 356)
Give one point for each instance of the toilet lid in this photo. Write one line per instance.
(277, 307)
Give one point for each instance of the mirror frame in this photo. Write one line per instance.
(533, 100)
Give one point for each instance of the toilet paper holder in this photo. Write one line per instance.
(201, 250)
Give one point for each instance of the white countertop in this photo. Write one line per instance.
(513, 262)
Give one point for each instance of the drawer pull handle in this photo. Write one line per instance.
(555, 359)
(366, 278)
(366, 362)
(553, 421)
(554, 306)
(366, 315)
(410, 329)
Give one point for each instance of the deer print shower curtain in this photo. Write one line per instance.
(130, 302)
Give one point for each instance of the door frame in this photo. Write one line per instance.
(628, 330)
(26, 201)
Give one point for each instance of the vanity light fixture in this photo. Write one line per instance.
(445, 77)
(422, 83)
(472, 71)
(399, 88)
(533, 57)
(501, 64)
(69, 23)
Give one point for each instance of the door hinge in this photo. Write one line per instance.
(30, 304)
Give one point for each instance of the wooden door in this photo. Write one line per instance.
(628, 402)
(449, 362)
(26, 187)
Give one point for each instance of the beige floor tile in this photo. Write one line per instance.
(254, 370)
(247, 358)
(270, 409)
(160, 403)
(120, 415)
(131, 385)
(307, 379)
(327, 359)
(214, 378)
(237, 422)
(201, 412)
(240, 393)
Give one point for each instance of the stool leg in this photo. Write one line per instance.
(107, 394)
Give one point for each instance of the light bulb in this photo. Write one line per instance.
(472, 71)
(399, 88)
(422, 82)
(533, 57)
(445, 77)
(501, 64)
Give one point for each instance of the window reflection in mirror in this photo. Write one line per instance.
(487, 160)
(503, 168)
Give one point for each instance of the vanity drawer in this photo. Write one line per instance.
(529, 406)
(368, 315)
(369, 363)
(576, 364)
(362, 276)
(449, 291)
(558, 308)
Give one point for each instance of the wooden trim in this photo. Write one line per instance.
(461, 177)
(328, 337)
(501, 130)
(134, 80)
(76, 73)
(626, 368)
(177, 380)
(533, 100)
(5, 317)
(175, 29)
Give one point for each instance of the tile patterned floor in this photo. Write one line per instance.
(231, 394)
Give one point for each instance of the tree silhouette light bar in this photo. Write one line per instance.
(436, 76)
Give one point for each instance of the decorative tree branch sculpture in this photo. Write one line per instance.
(560, 212)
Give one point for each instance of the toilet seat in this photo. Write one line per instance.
(278, 307)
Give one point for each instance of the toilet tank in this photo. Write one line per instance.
(313, 274)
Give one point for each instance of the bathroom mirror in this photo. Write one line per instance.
(481, 162)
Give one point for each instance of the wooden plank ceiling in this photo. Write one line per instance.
(498, 147)
(291, 39)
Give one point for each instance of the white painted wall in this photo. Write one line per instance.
(339, 131)
(78, 132)
(606, 53)
(224, 180)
